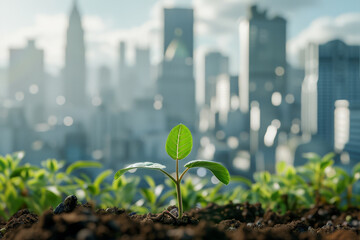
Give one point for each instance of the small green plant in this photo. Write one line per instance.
(315, 173)
(178, 146)
(121, 193)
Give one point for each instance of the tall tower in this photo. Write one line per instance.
(176, 82)
(105, 86)
(215, 65)
(334, 71)
(262, 80)
(126, 83)
(143, 73)
(75, 69)
(27, 80)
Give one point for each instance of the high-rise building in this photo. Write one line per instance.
(75, 65)
(122, 60)
(215, 65)
(176, 83)
(262, 61)
(295, 78)
(262, 80)
(309, 90)
(223, 98)
(353, 134)
(127, 79)
(3, 82)
(105, 86)
(234, 86)
(26, 80)
(143, 73)
(332, 74)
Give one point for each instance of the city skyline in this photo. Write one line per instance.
(250, 120)
(104, 29)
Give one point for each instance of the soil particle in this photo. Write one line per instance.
(67, 206)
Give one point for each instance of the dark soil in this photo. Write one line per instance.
(232, 221)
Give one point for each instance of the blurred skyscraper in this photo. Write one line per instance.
(106, 88)
(125, 83)
(176, 82)
(144, 79)
(215, 65)
(75, 65)
(352, 146)
(262, 79)
(26, 80)
(135, 81)
(309, 90)
(332, 73)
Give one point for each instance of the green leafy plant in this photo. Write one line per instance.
(178, 146)
(121, 193)
(36, 188)
(314, 172)
(153, 196)
(90, 189)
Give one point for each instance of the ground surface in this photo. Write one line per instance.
(232, 221)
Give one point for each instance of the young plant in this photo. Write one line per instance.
(314, 172)
(121, 193)
(178, 146)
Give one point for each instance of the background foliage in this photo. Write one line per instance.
(39, 188)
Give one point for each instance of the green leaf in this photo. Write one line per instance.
(150, 181)
(356, 169)
(101, 177)
(179, 142)
(49, 198)
(52, 164)
(280, 167)
(262, 177)
(148, 165)
(290, 172)
(326, 163)
(240, 179)
(328, 157)
(217, 169)
(82, 164)
(3, 163)
(148, 195)
(17, 172)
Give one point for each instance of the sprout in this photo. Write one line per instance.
(178, 146)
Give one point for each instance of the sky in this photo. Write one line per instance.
(139, 23)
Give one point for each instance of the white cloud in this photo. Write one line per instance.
(48, 30)
(101, 39)
(222, 16)
(344, 27)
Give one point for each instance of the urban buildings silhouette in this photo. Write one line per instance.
(331, 82)
(265, 113)
(75, 65)
(176, 83)
(263, 71)
(29, 82)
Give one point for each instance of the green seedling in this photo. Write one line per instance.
(314, 172)
(178, 146)
(121, 193)
(152, 195)
(92, 188)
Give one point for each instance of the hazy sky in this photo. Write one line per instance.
(139, 22)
